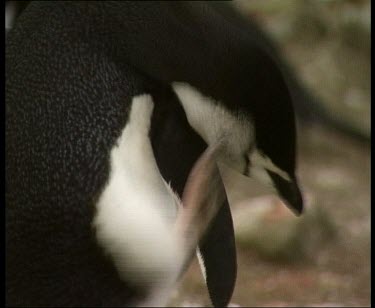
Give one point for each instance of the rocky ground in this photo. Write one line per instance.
(323, 258)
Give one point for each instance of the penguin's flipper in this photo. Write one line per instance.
(206, 222)
(202, 198)
(218, 260)
(205, 197)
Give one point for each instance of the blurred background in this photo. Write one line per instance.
(322, 258)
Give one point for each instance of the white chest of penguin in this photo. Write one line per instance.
(136, 210)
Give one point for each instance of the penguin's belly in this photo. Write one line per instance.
(136, 210)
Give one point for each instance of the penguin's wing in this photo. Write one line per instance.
(202, 197)
(209, 214)
(217, 257)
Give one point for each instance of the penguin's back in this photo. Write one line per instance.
(66, 105)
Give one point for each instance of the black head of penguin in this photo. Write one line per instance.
(242, 78)
(266, 100)
(260, 122)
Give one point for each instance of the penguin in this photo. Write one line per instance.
(69, 108)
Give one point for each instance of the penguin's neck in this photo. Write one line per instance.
(213, 122)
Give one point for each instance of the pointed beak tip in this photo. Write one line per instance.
(294, 202)
(298, 211)
(297, 206)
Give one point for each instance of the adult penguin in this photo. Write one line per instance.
(69, 100)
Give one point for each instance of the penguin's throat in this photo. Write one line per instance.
(213, 121)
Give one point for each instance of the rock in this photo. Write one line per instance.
(268, 227)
